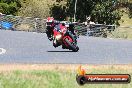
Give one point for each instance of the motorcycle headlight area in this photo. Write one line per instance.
(64, 30)
(58, 37)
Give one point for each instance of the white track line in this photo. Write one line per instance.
(2, 51)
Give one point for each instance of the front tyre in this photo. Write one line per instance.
(73, 47)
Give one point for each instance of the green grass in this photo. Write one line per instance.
(124, 33)
(54, 79)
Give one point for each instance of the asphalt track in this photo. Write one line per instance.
(29, 47)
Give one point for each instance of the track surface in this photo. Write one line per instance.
(28, 47)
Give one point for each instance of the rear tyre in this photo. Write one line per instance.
(73, 47)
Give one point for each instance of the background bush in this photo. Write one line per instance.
(101, 11)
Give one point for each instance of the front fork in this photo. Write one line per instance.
(55, 42)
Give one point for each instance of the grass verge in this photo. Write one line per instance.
(56, 76)
(122, 31)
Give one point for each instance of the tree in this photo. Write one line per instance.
(106, 13)
(58, 12)
(101, 11)
(34, 8)
(84, 8)
(130, 10)
(9, 6)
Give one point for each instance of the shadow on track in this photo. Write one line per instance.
(59, 51)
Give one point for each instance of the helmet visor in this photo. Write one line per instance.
(49, 23)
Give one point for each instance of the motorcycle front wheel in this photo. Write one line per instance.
(73, 47)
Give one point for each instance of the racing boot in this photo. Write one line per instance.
(50, 38)
(55, 43)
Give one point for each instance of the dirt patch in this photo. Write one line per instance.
(63, 67)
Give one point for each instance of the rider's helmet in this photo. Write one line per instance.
(50, 22)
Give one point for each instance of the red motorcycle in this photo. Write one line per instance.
(65, 38)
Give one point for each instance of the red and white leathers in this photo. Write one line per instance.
(50, 24)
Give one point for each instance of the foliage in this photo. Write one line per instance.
(128, 5)
(58, 11)
(106, 13)
(34, 8)
(84, 8)
(9, 6)
(101, 11)
(130, 10)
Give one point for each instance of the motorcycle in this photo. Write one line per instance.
(65, 38)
